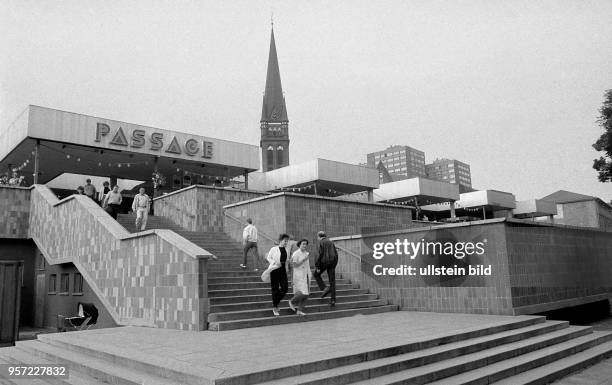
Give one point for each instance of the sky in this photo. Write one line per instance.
(512, 88)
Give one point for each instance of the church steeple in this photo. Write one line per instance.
(274, 109)
(274, 122)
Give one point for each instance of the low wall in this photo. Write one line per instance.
(200, 208)
(153, 278)
(15, 209)
(305, 215)
(534, 268)
(552, 267)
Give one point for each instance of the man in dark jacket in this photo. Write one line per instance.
(327, 259)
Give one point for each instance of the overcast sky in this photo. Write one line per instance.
(510, 87)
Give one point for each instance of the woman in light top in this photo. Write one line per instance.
(301, 278)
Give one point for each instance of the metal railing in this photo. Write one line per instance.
(259, 233)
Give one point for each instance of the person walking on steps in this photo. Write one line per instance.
(327, 259)
(277, 257)
(112, 202)
(249, 241)
(301, 278)
(141, 206)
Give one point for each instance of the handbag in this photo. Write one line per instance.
(265, 276)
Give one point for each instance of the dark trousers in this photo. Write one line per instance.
(248, 246)
(280, 285)
(113, 209)
(331, 275)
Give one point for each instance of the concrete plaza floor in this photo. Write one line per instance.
(215, 355)
(598, 374)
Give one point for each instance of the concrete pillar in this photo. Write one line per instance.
(452, 210)
(552, 218)
(36, 161)
(484, 213)
(112, 180)
(370, 195)
(246, 180)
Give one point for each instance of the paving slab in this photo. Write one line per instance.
(215, 355)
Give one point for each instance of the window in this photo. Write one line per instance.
(52, 282)
(64, 283)
(270, 156)
(77, 287)
(279, 155)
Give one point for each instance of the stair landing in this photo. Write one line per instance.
(397, 347)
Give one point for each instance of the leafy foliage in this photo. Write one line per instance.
(603, 165)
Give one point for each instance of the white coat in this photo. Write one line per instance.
(301, 272)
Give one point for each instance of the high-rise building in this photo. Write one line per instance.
(401, 162)
(274, 123)
(451, 171)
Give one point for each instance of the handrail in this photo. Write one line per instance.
(258, 232)
(354, 255)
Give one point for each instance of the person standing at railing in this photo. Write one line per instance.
(141, 206)
(249, 240)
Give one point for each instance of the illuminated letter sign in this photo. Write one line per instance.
(156, 141)
(208, 150)
(101, 130)
(119, 138)
(191, 147)
(174, 147)
(138, 138)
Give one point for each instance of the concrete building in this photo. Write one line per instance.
(401, 162)
(581, 210)
(274, 123)
(451, 171)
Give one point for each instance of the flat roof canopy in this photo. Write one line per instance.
(424, 191)
(492, 200)
(88, 145)
(337, 177)
(534, 208)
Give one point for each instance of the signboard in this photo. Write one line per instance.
(155, 141)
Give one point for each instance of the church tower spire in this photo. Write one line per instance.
(274, 122)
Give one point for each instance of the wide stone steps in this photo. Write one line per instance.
(257, 284)
(102, 369)
(314, 290)
(17, 356)
(267, 321)
(241, 306)
(264, 310)
(531, 354)
(267, 297)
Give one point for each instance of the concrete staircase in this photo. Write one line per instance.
(522, 351)
(239, 299)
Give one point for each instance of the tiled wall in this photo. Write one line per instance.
(155, 278)
(454, 294)
(535, 268)
(556, 264)
(200, 208)
(305, 215)
(15, 209)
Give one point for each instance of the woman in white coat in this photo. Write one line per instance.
(301, 278)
